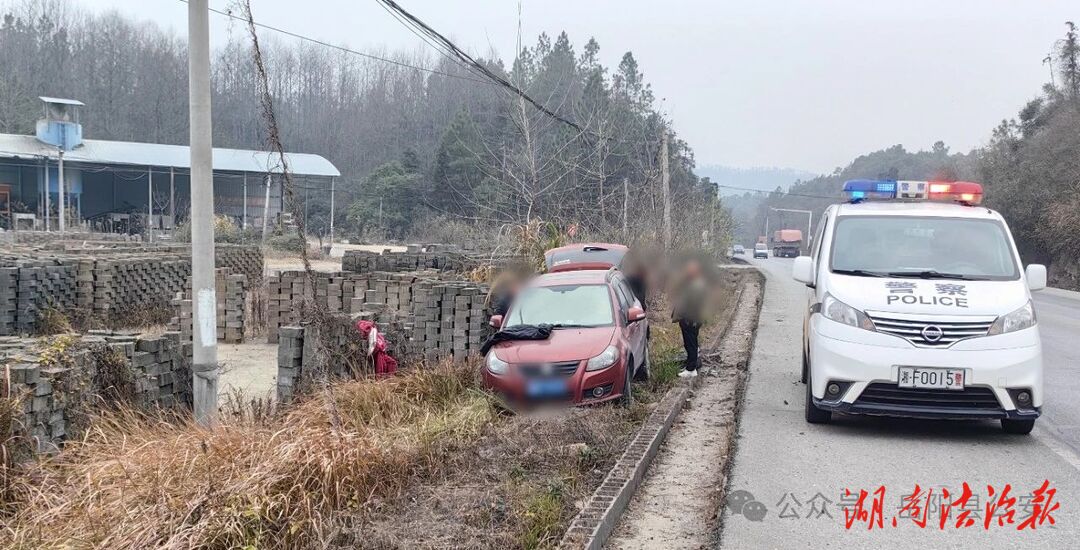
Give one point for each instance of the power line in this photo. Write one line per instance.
(298, 36)
(457, 52)
(787, 193)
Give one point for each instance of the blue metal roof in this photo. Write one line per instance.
(174, 156)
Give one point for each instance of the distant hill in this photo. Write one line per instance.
(757, 179)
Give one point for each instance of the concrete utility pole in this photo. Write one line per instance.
(266, 209)
(205, 367)
(48, 207)
(665, 178)
(332, 212)
(150, 204)
(244, 224)
(60, 187)
(172, 197)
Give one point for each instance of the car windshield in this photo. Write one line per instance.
(922, 247)
(563, 306)
(760, 246)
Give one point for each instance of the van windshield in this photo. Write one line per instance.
(563, 306)
(922, 247)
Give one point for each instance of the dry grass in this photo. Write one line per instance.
(138, 482)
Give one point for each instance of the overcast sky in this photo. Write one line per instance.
(806, 84)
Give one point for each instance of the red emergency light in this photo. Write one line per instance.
(965, 192)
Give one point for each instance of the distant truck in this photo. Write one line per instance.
(787, 243)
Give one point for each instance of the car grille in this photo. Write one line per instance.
(564, 369)
(974, 400)
(914, 330)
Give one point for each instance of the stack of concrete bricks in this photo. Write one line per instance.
(41, 285)
(361, 261)
(42, 237)
(107, 283)
(439, 318)
(299, 350)
(230, 293)
(141, 282)
(160, 367)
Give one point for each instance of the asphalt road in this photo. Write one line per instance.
(798, 472)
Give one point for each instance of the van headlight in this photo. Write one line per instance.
(496, 365)
(606, 358)
(1018, 320)
(840, 312)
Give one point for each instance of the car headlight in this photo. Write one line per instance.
(840, 312)
(606, 358)
(496, 365)
(1018, 320)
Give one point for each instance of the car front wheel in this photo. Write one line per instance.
(627, 397)
(642, 373)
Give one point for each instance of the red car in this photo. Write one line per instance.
(598, 342)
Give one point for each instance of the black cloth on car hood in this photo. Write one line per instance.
(519, 332)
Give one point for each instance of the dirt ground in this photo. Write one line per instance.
(248, 368)
(676, 506)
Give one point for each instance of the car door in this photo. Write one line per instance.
(635, 332)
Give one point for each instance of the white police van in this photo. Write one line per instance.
(920, 308)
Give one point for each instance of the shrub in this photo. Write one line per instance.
(286, 243)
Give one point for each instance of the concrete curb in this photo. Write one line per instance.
(594, 524)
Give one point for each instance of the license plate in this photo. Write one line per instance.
(930, 378)
(546, 388)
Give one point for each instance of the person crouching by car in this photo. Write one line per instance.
(688, 310)
(502, 292)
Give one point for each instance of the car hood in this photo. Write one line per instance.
(929, 296)
(565, 344)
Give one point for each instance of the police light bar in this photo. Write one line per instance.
(964, 192)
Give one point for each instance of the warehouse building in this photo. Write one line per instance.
(118, 186)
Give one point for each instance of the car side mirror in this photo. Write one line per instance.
(496, 322)
(1036, 276)
(802, 270)
(635, 314)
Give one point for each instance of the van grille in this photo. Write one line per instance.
(974, 400)
(917, 332)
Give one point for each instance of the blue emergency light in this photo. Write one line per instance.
(963, 192)
(857, 190)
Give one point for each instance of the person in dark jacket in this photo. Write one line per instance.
(688, 309)
(502, 293)
(637, 280)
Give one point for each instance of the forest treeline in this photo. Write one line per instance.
(419, 151)
(1030, 170)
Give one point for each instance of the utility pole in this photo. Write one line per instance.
(60, 187)
(205, 367)
(332, 212)
(48, 207)
(244, 224)
(380, 211)
(266, 208)
(665, 178)
(625, 209)
(150, 204)
(172, 196)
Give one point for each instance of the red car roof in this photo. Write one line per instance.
(576, 277)
(585, 256)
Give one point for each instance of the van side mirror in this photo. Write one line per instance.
(635, 314)
(496, 322)
(1036, 276)
(802, 270)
